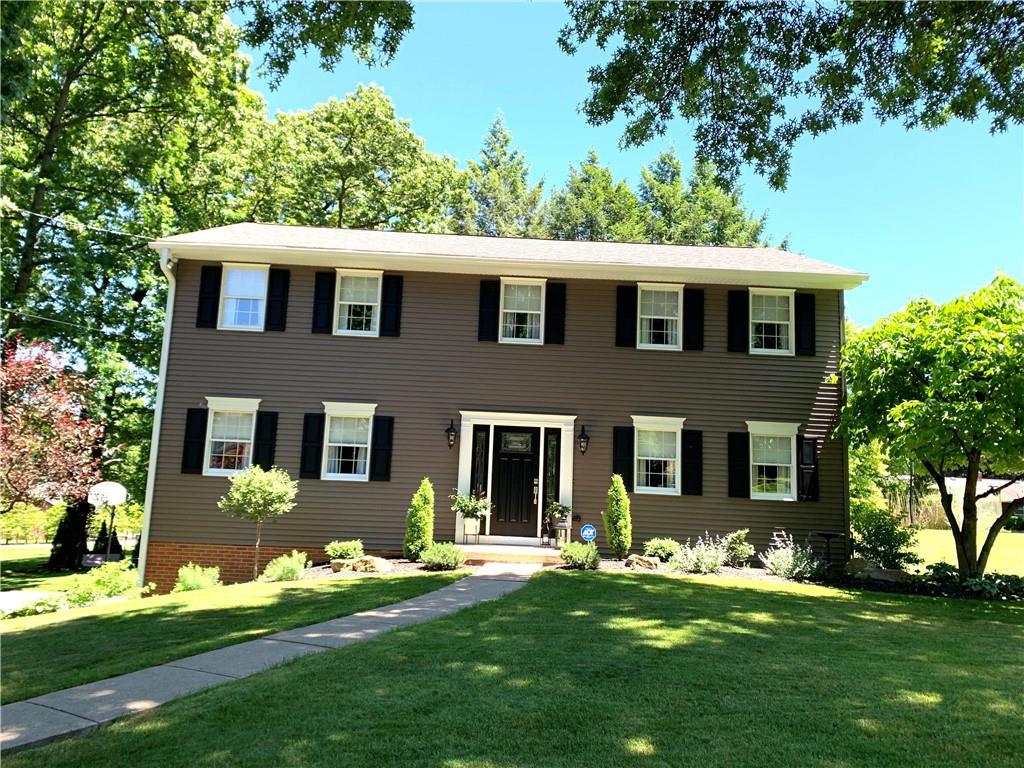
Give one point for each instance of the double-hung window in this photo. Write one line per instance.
(522, 311)
(230, 432)
(358, 303)
(243, 299)
(772, 460)
(771, 321)
(659, 316)
(347, 441)
(658, 446)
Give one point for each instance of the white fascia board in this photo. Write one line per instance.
(246, 404)
(773, 428)
(665, 423)
(349, 409)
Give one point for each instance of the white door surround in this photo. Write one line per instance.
(470, 419)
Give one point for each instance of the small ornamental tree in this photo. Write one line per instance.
(419, 522)
(618, 526)
(259, 495)
(944, 384)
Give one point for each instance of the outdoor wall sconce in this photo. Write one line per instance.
(451, 434)
(583, 440)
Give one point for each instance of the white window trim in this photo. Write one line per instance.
(773, 429)
(246, 405)
(678, 287)
(658, 424)
(347, 410)
(792, 321)
(542, 282)
(225, 266)
(339, 273)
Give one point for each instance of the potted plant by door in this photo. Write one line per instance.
(556, 519)
(474, 508)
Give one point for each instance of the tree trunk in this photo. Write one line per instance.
(993, 532)
(256, 557)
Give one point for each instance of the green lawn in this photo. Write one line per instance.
(53, 651)
(608, 669)
(24, 568)
(1007, 553)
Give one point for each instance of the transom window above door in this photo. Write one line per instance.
(659, 312)
(522, 311)
(771, 321)
(358, 303)
(243, 297)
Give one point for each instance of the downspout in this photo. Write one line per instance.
(167, 267)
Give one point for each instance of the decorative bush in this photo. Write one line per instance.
(1015, 523)
(738, 550)
(286, 567)
(470, 506)
(790, 560)
(880, 536)
(663, 549)
(259, 495)
(580, 556)
(344, 550)
(419, 521)
(944, 579)
(442, 556)
(708, 555)
(192, 577)
(108, 580)
(618, 526)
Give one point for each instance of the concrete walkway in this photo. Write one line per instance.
(36, 721)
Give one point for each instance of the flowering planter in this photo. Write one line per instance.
(471, 526)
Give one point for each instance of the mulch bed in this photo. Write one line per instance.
(399, 568)
(758, 574)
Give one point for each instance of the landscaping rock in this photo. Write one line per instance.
(888, 575)
(857, 565)
(641, 561)
(342, 565)
(370, 564)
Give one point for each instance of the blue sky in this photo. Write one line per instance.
(924, 213)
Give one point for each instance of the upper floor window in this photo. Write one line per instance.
(358, 303)
(772, 460)
(347, 443)
(658, 448)
(522, 311)
(771, 321)
(229, 435)
(659, 312)
(243, 297)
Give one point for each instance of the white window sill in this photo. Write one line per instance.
(222, 472)
(535, 342)
(656, 491)
(346, 478)
(660, 347)
(772, 496)
(247, 328)
(364, 334)
(772, 352)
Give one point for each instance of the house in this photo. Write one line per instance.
(705, 376)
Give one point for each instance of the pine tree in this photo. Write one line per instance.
(419, 525)
(593, 206)
(618, 525)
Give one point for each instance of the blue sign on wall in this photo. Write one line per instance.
(588, 532)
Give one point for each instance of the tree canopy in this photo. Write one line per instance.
(755, 77)
(944, 383)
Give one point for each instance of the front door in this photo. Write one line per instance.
(516, 481)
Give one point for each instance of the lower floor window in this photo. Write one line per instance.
(657, 454)
(771, 466)
(230, 441)
(347, 448)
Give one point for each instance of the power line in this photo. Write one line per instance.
(61, 222)
(90, 330)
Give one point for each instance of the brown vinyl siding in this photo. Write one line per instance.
(437, 368)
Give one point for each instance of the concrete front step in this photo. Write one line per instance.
(479, 554)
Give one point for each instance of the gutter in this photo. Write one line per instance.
(167, 267)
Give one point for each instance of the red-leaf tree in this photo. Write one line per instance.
(47, 446)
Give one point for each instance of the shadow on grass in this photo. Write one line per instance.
(31, 573)
(619, 670)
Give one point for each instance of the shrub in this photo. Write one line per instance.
(944, 579)
(738, 550)
(470, 506)
(663, 549)
(259, 495)
(286, 567)
(785, 558)
(344, 550)
(618, 526)
(419, 521)
(580, 556)
(880, 536)
(1015, 523)
(192, 577)
(108, 580)
(442, 556)
(708, 555)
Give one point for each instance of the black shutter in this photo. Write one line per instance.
(554, 314)
(277, 300)
(804, 316)
(195, 441)
(739, 321)
(807, 468)
(312, 445)
(266, 439)
(380, 448)
(625, 316)
(739, 465)
(209, 296)
(693, 318)
(323, 303)
(391, 306)
(490, 298)
(693, 462)
(622, 454)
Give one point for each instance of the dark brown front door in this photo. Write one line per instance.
(516, 481)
